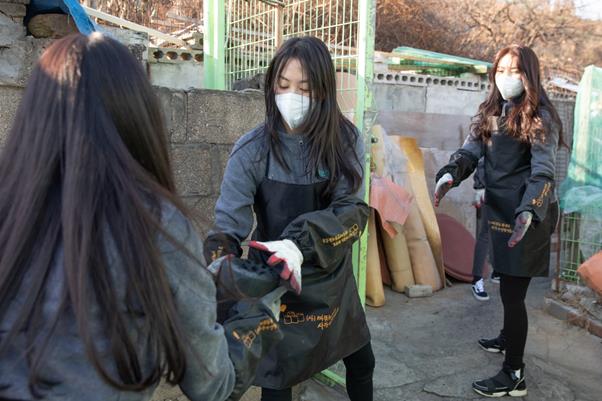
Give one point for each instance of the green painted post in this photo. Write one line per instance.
(365, 72)
(214, 40)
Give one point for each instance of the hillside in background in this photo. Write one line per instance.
(564, 42)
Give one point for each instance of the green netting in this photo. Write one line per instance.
(433, 63)
(581, 192)
(582, 189)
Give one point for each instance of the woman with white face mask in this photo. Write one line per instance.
(517, 131)
(301, 173)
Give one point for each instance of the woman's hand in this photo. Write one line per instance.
(521, 225)
(287, 253)
(479, 198)
(443, 185)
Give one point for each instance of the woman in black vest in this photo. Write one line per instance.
(301, 173)
(517, 131)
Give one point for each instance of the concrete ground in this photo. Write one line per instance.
(426, 350)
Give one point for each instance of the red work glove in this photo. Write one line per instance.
(287, 253)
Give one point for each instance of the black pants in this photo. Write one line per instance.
(513, 291)
(481, 248)
(359, 366)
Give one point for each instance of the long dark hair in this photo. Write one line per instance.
(525, 120)
(86, 167)
(330, 134)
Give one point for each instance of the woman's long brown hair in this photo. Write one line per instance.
(86, 169)
(525, 119)
(330, 134)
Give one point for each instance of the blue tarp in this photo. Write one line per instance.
(71, 7)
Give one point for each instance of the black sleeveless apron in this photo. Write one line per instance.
(326, 322)
(507, 172)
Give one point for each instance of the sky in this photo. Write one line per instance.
(590, 9)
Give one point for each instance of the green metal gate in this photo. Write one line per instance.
(241, 36)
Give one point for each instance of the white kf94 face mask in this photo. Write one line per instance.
(293, 108)
(509, 87)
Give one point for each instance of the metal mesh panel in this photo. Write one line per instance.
(252, 32)
(581, 238)
(565, 110)
(256, 27)
(336, 24)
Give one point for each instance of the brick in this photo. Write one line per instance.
(204, 208)
(13, 10)
(51, 26)
(219, 158)
(18, 59)
(220, 117)
(9, 102)
(192, 169)
(418, 290)
(10, 31)
(12, 65)
(173, 104)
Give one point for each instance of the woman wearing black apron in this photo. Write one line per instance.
(301, 173)
(517, 131)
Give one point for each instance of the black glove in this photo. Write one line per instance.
(251, 331)
(461, 165)
(218, 245)
(238, 279)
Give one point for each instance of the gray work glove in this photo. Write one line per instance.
(479, 198)
(443, 185)
(521, 225)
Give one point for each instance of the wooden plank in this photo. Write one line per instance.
(133, 26)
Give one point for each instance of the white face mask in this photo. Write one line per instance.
(509, 87)
(293, 107)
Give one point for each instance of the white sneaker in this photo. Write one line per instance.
(478, 290)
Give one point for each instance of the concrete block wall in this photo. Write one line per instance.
(176, 69)
(404, 92)
(202, 126)
(14, 9)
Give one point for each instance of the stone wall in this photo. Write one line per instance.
(202, 126)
